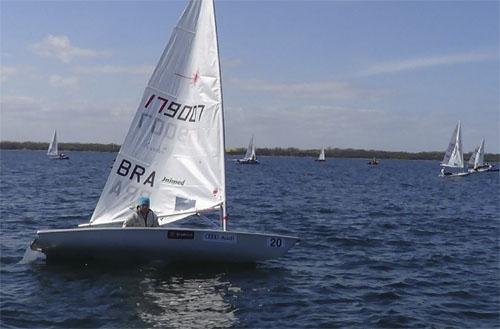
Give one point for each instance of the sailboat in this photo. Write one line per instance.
(53, 151)
(321, 156)
(250, 157)
(454, 156)
(173, 153)
(476, 162)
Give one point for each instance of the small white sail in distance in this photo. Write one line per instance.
(321, 156)
(472, 158)
(174, 149)
(454, 153)
(250, 153)
(53, 148)
(477, 158)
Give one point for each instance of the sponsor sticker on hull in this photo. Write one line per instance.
(180, 235)
(219, 237)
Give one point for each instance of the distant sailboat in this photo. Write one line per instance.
(454, 156)
(373, 162)
(173, 153)
(321, 156)
(53, 150)
(250, 157)
(476, 161)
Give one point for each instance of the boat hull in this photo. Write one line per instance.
(248, 161)
(460, 174)
(488, 168)
(57, 157)
(162, 244)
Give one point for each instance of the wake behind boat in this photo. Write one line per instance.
(174, 154)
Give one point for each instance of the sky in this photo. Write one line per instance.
(382, 75)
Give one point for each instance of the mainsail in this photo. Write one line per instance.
(479, 160)
(472, 158)
(174, 149)
(52, 150)
(250, 154)
(322, 155)
(454, 154)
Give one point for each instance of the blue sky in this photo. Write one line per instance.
(349, 74)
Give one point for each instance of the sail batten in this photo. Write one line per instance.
(173, 151)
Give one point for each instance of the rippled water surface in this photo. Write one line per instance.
(381, 247)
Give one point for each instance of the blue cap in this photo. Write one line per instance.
(143, 200)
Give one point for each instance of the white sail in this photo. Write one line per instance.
(479, 158)
(52, 150)
(250, 153)
(472, 158)
(454, 154)
(174, 149)
(322, 155)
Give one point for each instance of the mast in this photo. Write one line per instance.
(224, 216)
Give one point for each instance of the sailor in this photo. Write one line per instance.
(143, 216)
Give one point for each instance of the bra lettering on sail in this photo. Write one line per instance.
(137, 172)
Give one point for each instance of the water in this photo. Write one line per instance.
(381, 247)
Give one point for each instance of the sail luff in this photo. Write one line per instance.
(222, 123)
(459, 154)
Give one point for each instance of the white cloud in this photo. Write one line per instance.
(6, 72)
(61, 48)
(424, 62)
(110, 69)
(58, 81)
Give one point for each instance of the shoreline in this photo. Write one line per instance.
(276, 151)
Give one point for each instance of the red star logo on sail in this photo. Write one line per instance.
(195, 78)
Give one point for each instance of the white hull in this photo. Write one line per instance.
(482, 169)
(164, 244)
(58, 157)
(460, 174)
(248, 161)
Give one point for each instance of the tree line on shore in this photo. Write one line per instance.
(276, 151)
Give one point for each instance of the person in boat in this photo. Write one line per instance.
(143, 216)
(61, 155)
(444, 173)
